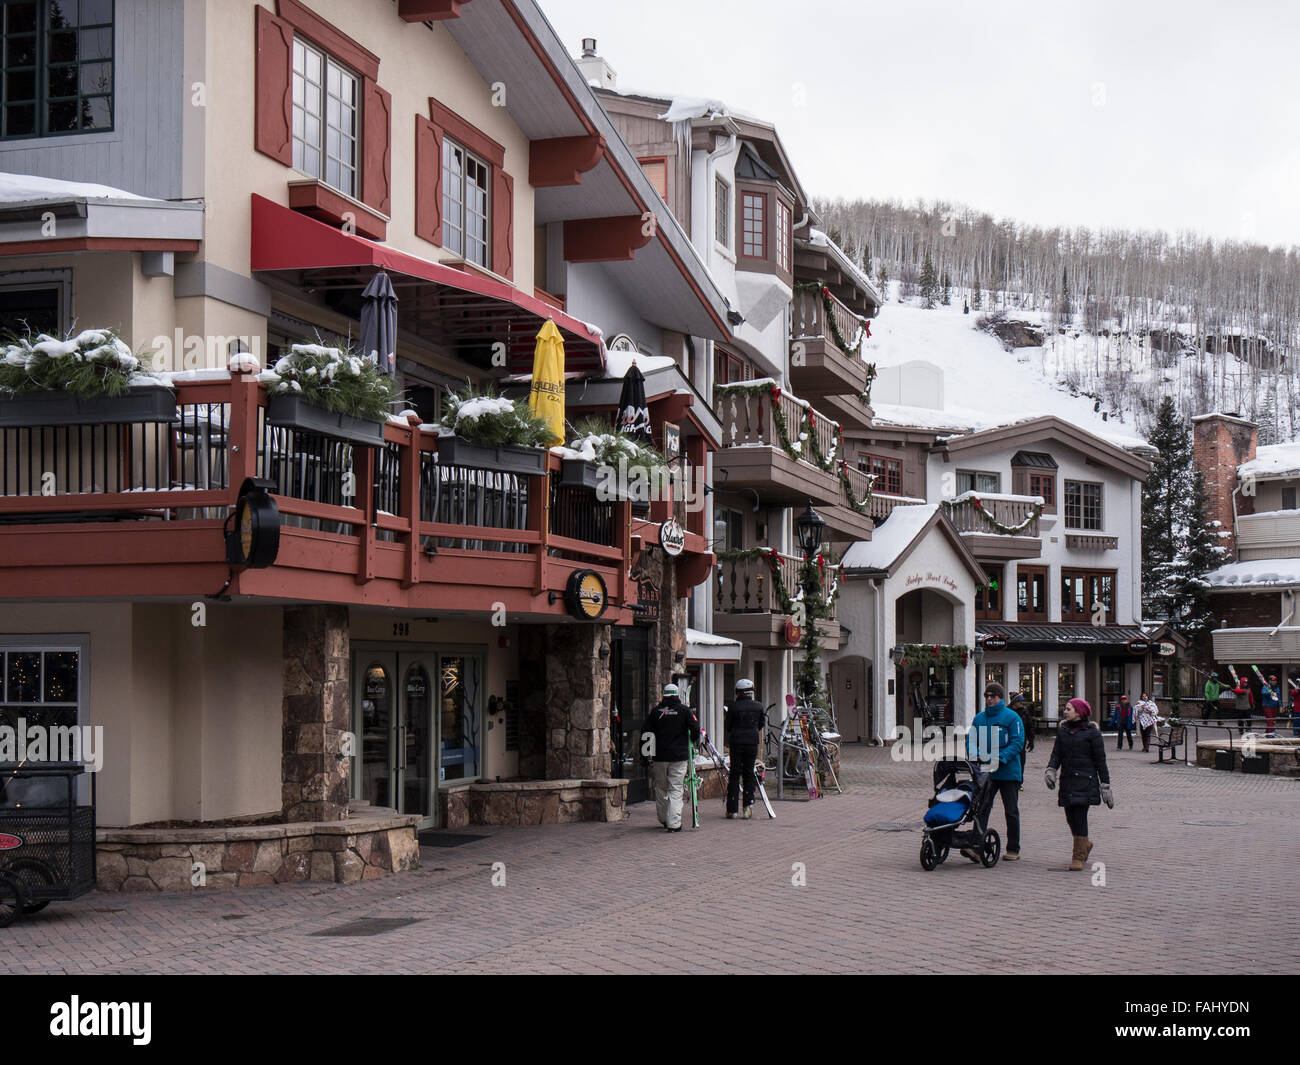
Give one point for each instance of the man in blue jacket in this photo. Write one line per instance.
(997, 737)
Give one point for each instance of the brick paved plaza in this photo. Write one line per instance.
(1178, 897)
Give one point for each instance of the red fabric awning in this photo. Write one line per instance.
(447, 305)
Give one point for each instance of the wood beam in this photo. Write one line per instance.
(563, 160)
(604, 240)
(429, 10)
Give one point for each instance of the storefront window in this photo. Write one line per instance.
(996, 673)
(988, 597)
(1031, 686)
(1160, 682)
(461, 719)
(41, 686)
(1067, 686)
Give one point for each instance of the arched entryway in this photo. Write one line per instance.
(928, 692)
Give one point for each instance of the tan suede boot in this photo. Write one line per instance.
(1088, 849)
(1080, 852)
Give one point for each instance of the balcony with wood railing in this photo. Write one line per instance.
(821, 364)
(757, 455)
(140, 508)
(752, 597)
(997, 526)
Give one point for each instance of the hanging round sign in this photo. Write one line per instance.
(793, 634)
(584, 595)
(1138, 646)
(255, 539)
(1166, 649)
(994, 643)
(672, 538)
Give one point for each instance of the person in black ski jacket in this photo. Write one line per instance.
(1080, 755)
(746, 720)
(670, 723)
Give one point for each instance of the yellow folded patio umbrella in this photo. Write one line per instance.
(546, 399)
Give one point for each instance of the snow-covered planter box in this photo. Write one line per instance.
(579, 473)
(149, 404)
(526, 461)
(292, 411)
(90, 379)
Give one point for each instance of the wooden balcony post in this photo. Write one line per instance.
(245, 399)
(365, 457)
(539, 521)
(411, 468)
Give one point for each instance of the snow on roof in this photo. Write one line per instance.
(821, 240)
(1273, 460)
(1260, 571)
(684, 108)
(25, 188)
(889, 540)
(996, 387)
(617, 363)
(709, 639)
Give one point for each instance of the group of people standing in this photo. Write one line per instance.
(1077, 762)
(1145, 715)
(1225, 696)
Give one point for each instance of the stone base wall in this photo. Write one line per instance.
(187, 860)
(1283, 760)
(533, 802)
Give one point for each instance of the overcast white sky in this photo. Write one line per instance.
(1134, 113)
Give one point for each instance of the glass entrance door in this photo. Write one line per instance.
(393, 700)
(630, 669)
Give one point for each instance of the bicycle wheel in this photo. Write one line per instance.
(13, 900)
(32, 873)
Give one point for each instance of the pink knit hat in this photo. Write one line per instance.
(1080, 707)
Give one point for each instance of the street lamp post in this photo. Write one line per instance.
(809, 526)
(978, 655)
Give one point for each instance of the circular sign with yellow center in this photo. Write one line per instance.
(585, 594)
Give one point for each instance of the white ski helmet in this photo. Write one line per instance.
(744, 685)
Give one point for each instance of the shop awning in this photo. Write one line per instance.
(705, 647)
(1053, 637)
(466, 311)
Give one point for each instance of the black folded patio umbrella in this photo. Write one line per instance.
(379, 322)
(633, 411)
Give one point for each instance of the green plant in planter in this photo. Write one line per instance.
(334, 380)
(482, 417)
(608, 447)
(96, 362)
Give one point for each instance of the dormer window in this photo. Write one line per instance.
(1033, 473)
(754, 220)
(764, 208)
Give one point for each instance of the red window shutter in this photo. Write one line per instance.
(428, 180)
(376, 160)
(273, 124)
(503, 223)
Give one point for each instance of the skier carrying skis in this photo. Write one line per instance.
(746, 719)
(671, 723)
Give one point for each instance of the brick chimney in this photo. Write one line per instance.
(1221, 443)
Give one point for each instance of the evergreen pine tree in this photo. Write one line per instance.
(866, 259)
(975, 292)
(929, 282)
(882, 280)
(1178, 545)
(947, 290)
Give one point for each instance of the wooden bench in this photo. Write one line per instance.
(1169, 738)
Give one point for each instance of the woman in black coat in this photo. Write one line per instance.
(1080, 755)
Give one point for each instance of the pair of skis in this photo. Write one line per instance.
(721, 763)
(693, 782)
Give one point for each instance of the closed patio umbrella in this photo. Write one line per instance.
(546, 397)
(633, 410)
(379, 323)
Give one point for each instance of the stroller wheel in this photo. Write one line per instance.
(992, 849)
(929, 859)
(941, 855)
(13, 900)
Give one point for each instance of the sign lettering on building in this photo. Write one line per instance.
(941, 579)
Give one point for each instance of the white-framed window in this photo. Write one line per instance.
(325, 121)
(722, 212)
(44, 681)
(1083, 505)
(783, 236)
(465, 203)
(974, 481)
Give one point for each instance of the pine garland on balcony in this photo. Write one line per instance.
(807, 426)
(1006, 530)
(853, 347)
(784, 599)
(942, 655)
(865, 397)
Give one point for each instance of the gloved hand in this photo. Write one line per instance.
(1108, 796)
(1049, 775)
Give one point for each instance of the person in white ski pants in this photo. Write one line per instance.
(669, 778)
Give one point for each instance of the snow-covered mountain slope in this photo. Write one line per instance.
(984, 385)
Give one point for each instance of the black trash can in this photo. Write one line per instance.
(1224, 760)
(1255, 763)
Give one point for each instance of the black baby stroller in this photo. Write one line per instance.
(956, 816)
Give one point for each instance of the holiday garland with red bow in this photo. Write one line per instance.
(943, 655)
(1035, 513)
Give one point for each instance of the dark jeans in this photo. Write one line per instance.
(1146, 738)
(1122, 731)
(742, 763)
(1077, 816)
(1010, 792)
